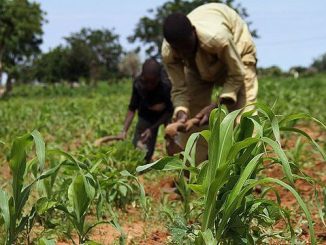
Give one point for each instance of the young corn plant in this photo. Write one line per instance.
(114, 169)
(230, 212)
(15, 218)
(83, 191)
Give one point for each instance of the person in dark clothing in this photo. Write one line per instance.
(151, 99)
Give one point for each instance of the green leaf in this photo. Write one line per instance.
(301, 203)
(123, 190)
(274, 123)
(92, 243)
(17, 163)
(44, 241)
(125, 173)
(293, 117)
(42, 205)
(210, 200)
(190, 149)
(220, 143)
(206, 134)
(40, 148)
(165, 163)
(4, 208)
(281, 154)
(234, 198)
(237, 147)
(308, 137)
(207, 237)
(80, 195)
(197, 188)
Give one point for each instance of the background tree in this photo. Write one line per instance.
(51, 67)
(88, 54)
(130, 65)
(94, 54)
(20, 35)
(148, 30)
(272, 71)
(320, 63)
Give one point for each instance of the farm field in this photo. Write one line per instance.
(82, 193)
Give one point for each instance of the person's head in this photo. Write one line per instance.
(180, 34)
(150, 74)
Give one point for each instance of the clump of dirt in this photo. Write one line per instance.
(5, 172)
(136, 230)
(157, 190)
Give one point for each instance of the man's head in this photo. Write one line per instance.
(180, 34)
(151, 72)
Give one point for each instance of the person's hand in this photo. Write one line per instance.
(203, 115)
(144, 137)
(122, 135)
(181, 117)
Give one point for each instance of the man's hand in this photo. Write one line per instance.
(203, 115)
(122, 135)
(144, 137)
(181, 117)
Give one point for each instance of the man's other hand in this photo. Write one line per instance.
(181, 117)
(203, 115)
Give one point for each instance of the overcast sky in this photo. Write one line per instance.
(292, 32)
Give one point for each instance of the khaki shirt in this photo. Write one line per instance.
(225, 45)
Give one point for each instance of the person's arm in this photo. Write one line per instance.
(128, 120)
(225, 49)
(227, 52)
(133, 106)
(175, 70)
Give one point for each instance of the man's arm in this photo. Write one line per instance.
(133, 106)
(175, 70)
(227, 52)
(128, 120)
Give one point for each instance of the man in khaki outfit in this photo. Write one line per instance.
(210, 46)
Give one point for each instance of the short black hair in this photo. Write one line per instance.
(151, 67)
(176, 28)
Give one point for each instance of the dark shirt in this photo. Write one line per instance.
(141, 100)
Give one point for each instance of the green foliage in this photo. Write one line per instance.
(230, 212)
(320, 63)
(273, 71)
(102, 52)
(72, 118)
(288, 95)
(123, 155)
(51, 67)
(148, 30)
(90, 54)
(80, 186)
(20, 33)
(12, 206)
